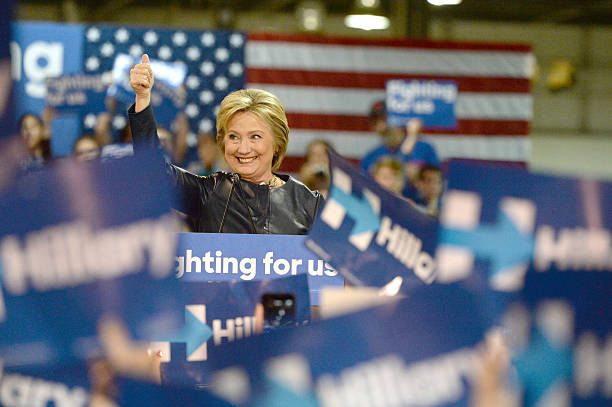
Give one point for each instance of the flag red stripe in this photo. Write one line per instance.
(361, 123)
(292, 163)
(390, 42)
(365, 80)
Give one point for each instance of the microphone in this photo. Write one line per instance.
(233, 179)
(236, 179)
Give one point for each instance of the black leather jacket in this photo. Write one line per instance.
(222, 202)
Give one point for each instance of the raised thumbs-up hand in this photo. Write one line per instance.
(141, 80)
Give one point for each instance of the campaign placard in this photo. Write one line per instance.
(81, 240)
(431, 101)
(503, 223)
(222, 312)
(136, 393)
(59, 386)
(560, 333)
(77, 92)
(418, 351)
(370, 235)
(246, 257)
(74, 385)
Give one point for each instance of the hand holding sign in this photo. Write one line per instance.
(141, 80)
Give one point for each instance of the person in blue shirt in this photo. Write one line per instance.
(399, 144)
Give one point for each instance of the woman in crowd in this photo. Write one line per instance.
(86, 148)
(314, 173)
(252, 133)
(35, 134)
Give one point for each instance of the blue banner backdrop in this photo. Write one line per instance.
(42, 50)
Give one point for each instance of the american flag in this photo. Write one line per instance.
(214, 62)
(328, 84)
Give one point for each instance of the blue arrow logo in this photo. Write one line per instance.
(359, 209)
(194, 333)
(502, 243)
(542, 365)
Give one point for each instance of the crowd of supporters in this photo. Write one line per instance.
(403, 163)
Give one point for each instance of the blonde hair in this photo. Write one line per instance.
(390, 163)
(265, 105)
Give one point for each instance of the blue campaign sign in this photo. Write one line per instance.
(431, 101)
(65, 385)
(231, 257)
(42, 50)
(218, 313)
(497, 224)
(562, 332)
(370, 235)
(77, 92)
(77, 241)
(135, 393)
(417, 351)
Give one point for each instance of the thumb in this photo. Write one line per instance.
(145, 59)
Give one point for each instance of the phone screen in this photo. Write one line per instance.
(279, 310)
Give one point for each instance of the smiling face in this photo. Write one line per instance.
(249, 147)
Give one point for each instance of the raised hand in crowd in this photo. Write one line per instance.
(141, 80)
(488, 385)
(413, 129)
(126, 357)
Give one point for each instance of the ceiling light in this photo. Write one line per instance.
(311, 14)
(444, 2)
(369, 3)
(367, 15)
(366, 22)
